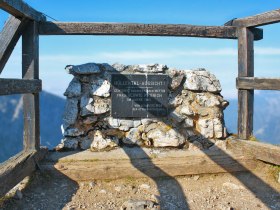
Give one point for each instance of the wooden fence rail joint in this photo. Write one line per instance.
(20, 10)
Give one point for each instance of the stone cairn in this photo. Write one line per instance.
(195, 110)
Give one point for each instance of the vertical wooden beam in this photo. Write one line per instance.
(30, 70)
(245, 69)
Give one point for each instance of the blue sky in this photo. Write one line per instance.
(216, 55)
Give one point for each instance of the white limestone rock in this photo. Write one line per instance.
(125, 125)
(177, 78)
(74, 89)
(171, 138)
(145, 186)
(62, 129)
(101, 106)
(176, 116)
(207, 99)
(202, 80)
(206, 127)
(59, 147)
(133, 136)
(186, 110)
(151, 127)
(113, 122)
(90, 106)
(124, 128)
(218, 128)
(98, 106)
(188, 123)
(70, 112)
(119, 67)
(233, 186)
(176, 81)
(149, 68)
(116, 123)
(100, 143)
(175, 101)
(84, 101)
(101, 88)
(140, 205)
(88, 68)
(136, 123)
(147, 121)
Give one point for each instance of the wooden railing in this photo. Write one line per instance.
(29, 24)
(246, 82)
(24, 23)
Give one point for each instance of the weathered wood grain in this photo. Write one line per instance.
(30, 70)
(140, 162)
(136, 29)
(9, 37)
(261, 151)
(20, 9)
(17, 168)
(245, 69)
(256, 83)
(19, 86)
(256, 20)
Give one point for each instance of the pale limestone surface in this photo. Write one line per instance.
(195, 108)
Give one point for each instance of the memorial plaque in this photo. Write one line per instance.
(139, 95)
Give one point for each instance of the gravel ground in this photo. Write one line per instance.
(257, 190)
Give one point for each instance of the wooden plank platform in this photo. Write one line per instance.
(143, 162)
(17, 168)
(260, 151)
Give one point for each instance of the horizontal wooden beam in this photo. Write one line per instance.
(20, 9)
(17, 168)
(141, 162)
(136, 29)
(262, 151)
(20, 86)
(256, 20)
(9, 37)
(255, 83)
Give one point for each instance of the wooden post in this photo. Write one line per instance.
(30, 70)
(245, 69)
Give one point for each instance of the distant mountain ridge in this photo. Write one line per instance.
(266, 120)
(266, 116)
(11, 122)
